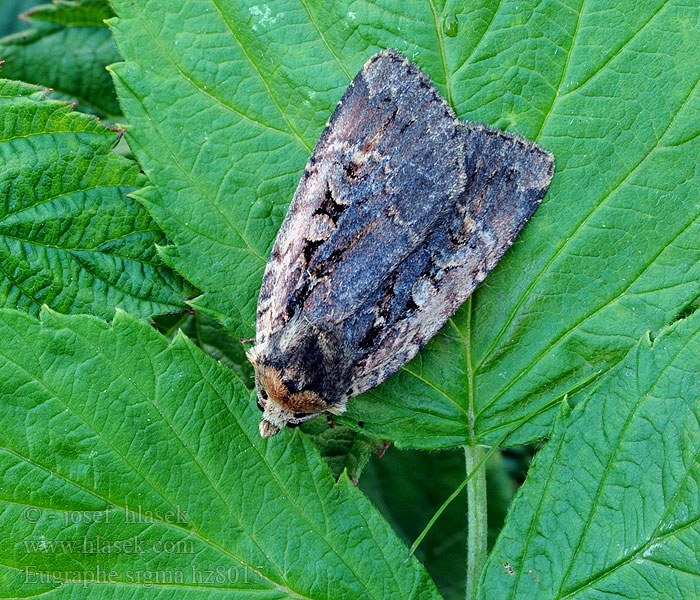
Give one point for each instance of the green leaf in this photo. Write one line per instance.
(227, 99)
(611, 506)
(69, 235)
(129, 460)
(67, 49)
(615, 248)
(9, 13)
(73, 13)
(343, 448)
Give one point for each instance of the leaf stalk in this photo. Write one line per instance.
(477, 522)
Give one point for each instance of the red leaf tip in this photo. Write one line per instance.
(381, 451)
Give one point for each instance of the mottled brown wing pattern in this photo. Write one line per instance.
(380, 178)
(507, 176)
(401, 212)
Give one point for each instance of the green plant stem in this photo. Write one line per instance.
(477, 524)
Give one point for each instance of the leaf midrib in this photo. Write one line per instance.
(63, 195)
(229, 25)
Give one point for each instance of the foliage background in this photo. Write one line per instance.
(590, 318)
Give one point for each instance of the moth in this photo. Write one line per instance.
(401, 212)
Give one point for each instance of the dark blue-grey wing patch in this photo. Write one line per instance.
(507, 177)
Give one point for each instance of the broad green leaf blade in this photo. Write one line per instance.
(616, 251)
(611, 505)
(69, 235)
(223, 124)
(114, 438)
(67, 49)
(217, 138)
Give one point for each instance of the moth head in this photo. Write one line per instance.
(279, 399)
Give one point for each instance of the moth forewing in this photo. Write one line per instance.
(401, 211)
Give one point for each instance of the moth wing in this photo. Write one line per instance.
(382, 173)
(507, 177)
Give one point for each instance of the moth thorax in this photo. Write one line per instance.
(278, 388)
(301, 371)
(311, 358)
